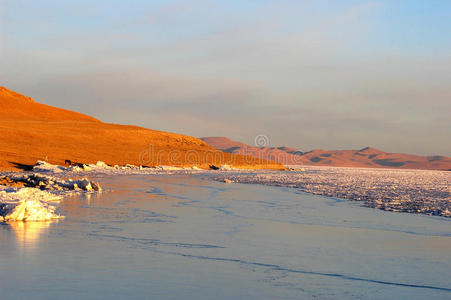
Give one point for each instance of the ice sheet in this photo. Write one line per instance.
(414, 191)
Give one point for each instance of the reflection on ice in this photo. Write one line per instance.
(28, 233)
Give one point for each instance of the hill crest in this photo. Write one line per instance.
(33, 131)
(7, 93)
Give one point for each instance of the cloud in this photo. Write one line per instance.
(300, 72)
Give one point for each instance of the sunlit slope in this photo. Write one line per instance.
(31, 131)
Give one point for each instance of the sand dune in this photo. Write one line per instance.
(33, 131)
(366, 157)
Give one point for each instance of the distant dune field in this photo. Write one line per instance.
(31, 131)
(367, 157)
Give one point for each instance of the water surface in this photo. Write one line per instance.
(186, 237)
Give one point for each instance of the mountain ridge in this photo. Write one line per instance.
(366, 157)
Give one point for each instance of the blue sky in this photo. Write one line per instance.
(308, 74)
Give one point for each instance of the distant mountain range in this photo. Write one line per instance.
(367, 157)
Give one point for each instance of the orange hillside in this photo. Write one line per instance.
(31, 131)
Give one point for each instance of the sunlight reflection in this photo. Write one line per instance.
(28, 233)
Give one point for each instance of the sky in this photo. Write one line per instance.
(306, 74)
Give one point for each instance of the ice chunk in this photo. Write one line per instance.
(27, 204)
(101, 164)
(43, 166)
(85, 184)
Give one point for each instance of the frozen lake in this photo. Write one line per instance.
(187, 237)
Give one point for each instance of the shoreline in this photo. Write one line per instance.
(425, 192)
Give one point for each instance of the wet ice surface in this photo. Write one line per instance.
(414, 191)
(185, 237)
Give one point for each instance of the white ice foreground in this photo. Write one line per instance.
(46, 187)
(27, 204)
(38, 200)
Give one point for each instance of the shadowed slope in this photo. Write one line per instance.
(222, 143)
(32, 131)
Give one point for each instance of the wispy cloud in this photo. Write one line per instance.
(305, 73)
